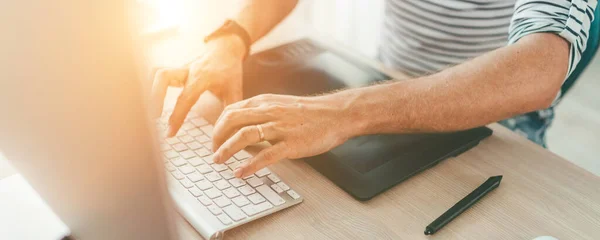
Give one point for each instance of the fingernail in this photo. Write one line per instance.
(171, 131)
(216, 157)
(238, 173)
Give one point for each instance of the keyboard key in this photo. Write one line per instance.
(195, 132)
(222, 201)
(234, 165)
(186, 139)
(222, 184)
(171, 154)
(209, 159)
(194, 145)
(274, 178)
(208, 145)
(195, 161)
(276, 188)
(293, 194)
(283, 186)
(178, 175)
(187, 169)
(254, 182)
(205, 200)
(256, 198)
(231, 192)
(186, 183)
(227, 174)
(202, 138)
(165, 147)
(271, 195)
(230, 160)
(208, 129)
(178, 162)
(180, 147)
(249, 176)
(195, 191)
(224, 219)
(219, 167)
(187, 154)
(195, 176)
(241, 155)
(252, 210)
(235, 213)
(203, 185)
(204, 169)
(203, 152)
(214, 209)
(187, 126)
(237, 182)
(263, 172)
(212, 193)
(170, 167)
(246, 190)
(240, 201)
(199, 122)
(180, 133)
(172, 140)
(212, 176)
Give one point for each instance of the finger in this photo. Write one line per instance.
(263, 159)
(186, 100)
(246, 136)
(163, 78)
(226, 126)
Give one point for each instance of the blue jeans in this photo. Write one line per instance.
(532, 125)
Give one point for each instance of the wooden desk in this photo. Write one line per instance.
(540, 194)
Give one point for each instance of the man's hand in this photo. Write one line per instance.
(295, 126)
(218, 70)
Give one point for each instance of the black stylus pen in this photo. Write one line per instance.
(464, 204)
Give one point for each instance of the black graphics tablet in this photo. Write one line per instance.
(363, 166)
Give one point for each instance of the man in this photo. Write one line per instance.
(506, 59)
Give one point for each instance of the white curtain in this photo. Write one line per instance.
(355, 23)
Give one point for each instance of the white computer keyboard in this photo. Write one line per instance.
(233, 201)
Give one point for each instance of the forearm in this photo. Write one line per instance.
(512, 80)
(258, 17)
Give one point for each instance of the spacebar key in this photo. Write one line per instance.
(270, 195)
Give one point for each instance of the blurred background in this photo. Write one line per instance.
(356, 24)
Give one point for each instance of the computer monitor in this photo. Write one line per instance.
(73, 122)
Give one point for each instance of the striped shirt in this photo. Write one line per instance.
(420, 37)
(425, 36)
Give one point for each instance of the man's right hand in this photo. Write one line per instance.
(218, 69)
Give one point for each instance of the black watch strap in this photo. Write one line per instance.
(231, 27)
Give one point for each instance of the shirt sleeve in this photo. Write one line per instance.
(569, 19)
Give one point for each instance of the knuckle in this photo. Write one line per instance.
(277, 108)
(246, 133)
(270, 156)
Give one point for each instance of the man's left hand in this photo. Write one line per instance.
(295, 126)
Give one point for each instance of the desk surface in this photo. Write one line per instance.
(540, 194)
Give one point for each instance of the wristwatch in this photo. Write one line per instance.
(231, 27)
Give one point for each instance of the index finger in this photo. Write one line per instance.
(263, 159)
(163, 78)
(186, 100)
